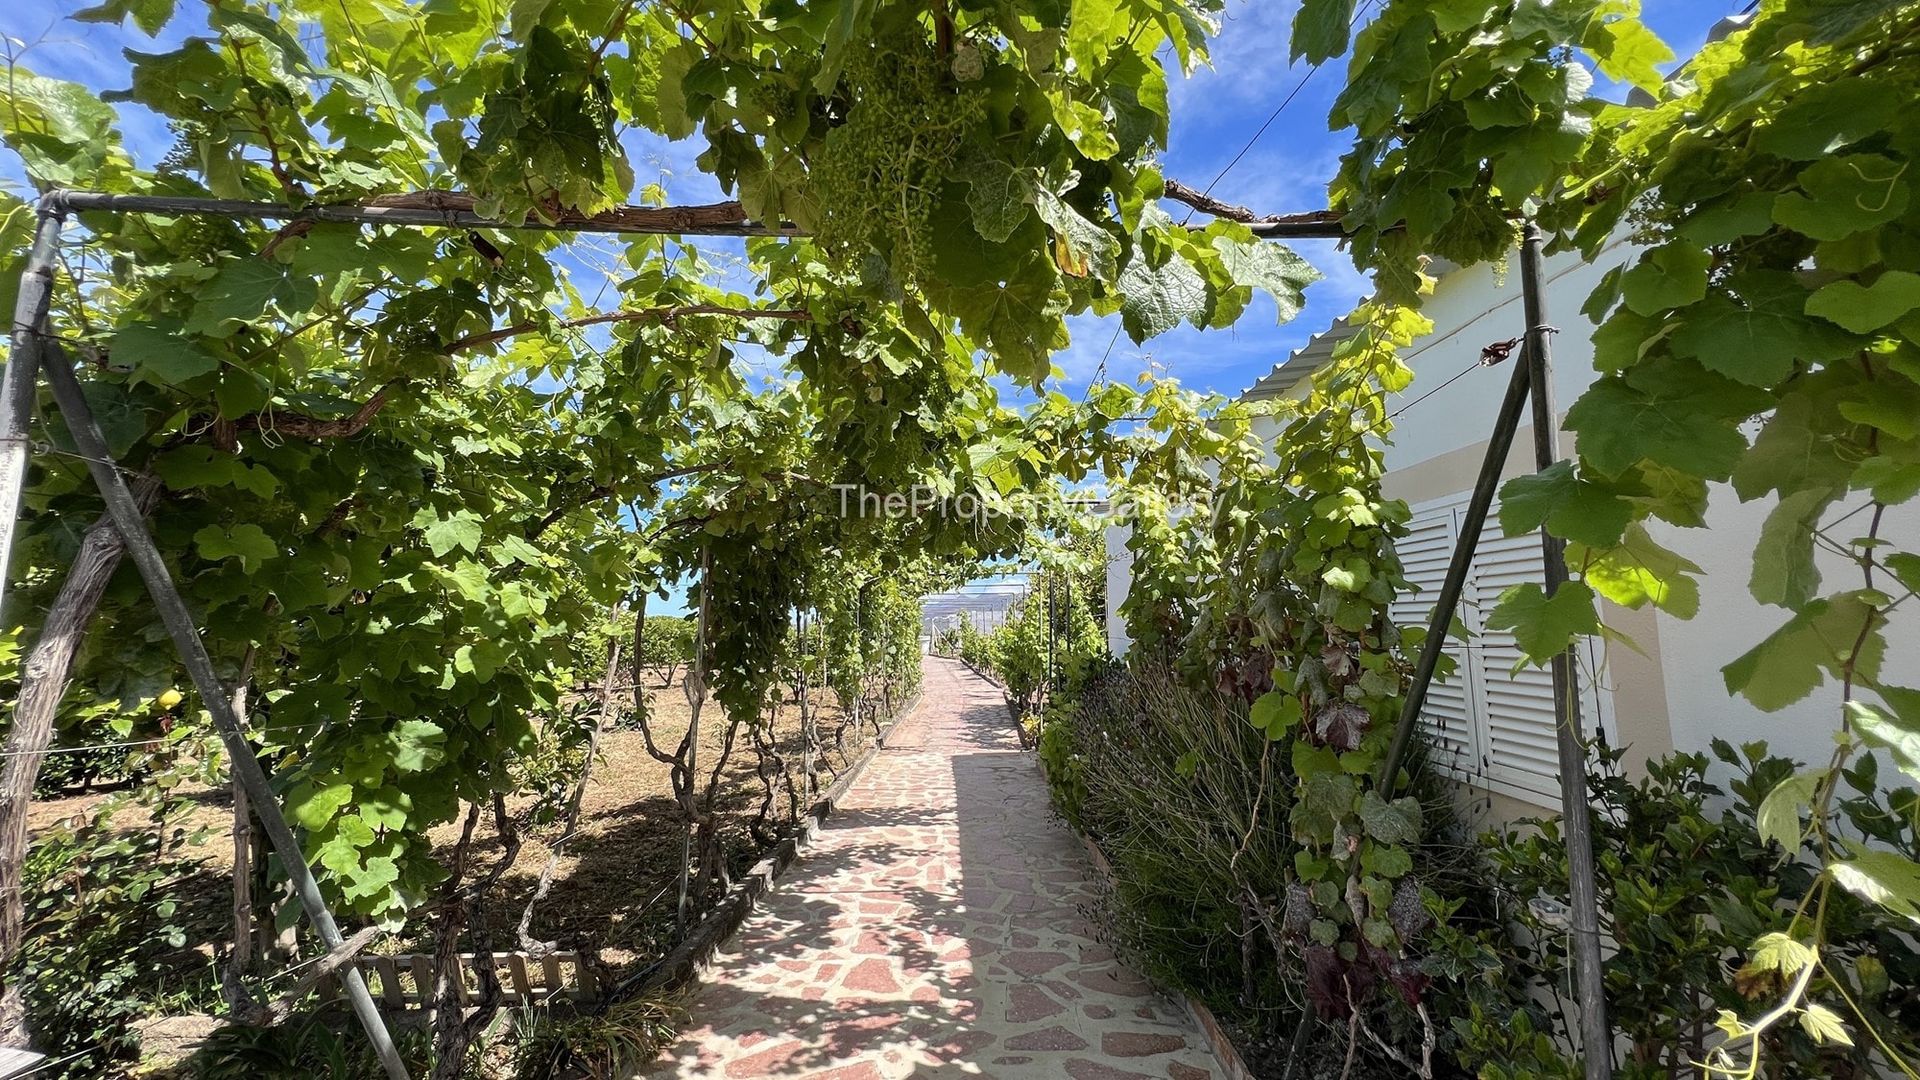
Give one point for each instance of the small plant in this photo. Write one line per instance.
(611, 1043)
(307, 1047)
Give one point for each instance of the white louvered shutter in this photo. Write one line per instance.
(1447, 720)
(1506, 716)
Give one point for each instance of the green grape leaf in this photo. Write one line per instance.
(1670, 276)
(162, 350)
(1320, 30)
(1275, 712)
(1630, 52)
(200, 466)
(1543, 626)
(417, 745)
(1824, 117)
(1000, 197)
(243, 288)
(1673, 414)
(1784, 571)
(1273, 267)
(148, 15)
(1840, 196)
(62, 131)
(444, 534)
(1396, 822)
(1080, 247)
(1883, 729)
(1824, 1025)
(312, 806)
(1866, 308)
(1881, 877)
(1816, 642)
(1086, 128)
(247, 542)
(1778, 819)
(1756, 344)
(1640, 571)
(1154, 300)
(1388, 861)
(1566, 505)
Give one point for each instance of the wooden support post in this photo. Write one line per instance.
(1596, 1035)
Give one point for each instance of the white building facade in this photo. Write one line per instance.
(1492, 727)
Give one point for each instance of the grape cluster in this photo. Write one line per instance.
(877, 177)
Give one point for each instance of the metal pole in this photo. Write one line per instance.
(182, 627)
(18, 386)
(694, 684)
(1505, 423)
(1596, 1036)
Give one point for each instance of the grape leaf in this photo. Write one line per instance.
(1267, 265)
(1815, 642)
(1840, 196)
(1320, 30)
(162, 349)
(1881, 877)
(1825, 117)
(243, 288)
(1670, 276)
(1778, 819)
(1154, 300)
(1567, 505)
(1784, 572)
(1000, 197)
(1396, 822)
(1640, 571)
(1546, 626)
(1670, 416)
(1757, 343)
(247, 542)
(1866, 308)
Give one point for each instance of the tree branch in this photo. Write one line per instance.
(666, 315)
(1207, 204)
(311, 427)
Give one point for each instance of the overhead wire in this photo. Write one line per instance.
(1358, 12)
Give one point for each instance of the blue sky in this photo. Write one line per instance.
(1216, 112)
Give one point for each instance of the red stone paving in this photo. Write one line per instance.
(935, 928)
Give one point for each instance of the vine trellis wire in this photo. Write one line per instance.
(34, 350)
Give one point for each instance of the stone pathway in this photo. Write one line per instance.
(935, 928)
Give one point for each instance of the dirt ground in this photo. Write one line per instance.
(614, 888)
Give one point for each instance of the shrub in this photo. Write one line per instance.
(1685, 890)
(106, 939)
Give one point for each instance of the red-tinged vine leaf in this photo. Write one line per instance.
(1816, 643)
(1341, 725)
(1546, 626)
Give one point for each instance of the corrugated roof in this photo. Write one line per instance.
(1303, 362)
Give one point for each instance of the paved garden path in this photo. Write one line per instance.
(935, 929)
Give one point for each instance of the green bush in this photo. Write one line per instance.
(1686, 886)
(107, 935)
